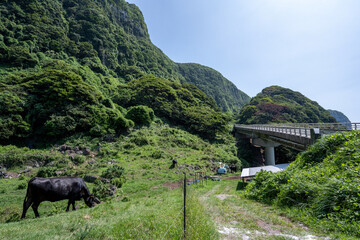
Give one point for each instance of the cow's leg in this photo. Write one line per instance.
(71, 201)
(35, 208)
(68, 206)
(26, 206)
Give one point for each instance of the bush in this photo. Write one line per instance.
(118, 182)
(265, 186)
(323, 182)
(21, 186)
(46, 172)
(141, 115)
(101, 190)
(140, 140)
(78, 159)
(114, 171)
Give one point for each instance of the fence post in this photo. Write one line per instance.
(184, 205)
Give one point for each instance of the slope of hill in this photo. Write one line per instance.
(321, 186)
(224, 92)
(339, 116)
(81, 66)
(110, 37)
(278, 105)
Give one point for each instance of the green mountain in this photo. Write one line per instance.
(110, 37)
(279, 105)
(339, 116)
(224, 92)
(89, 66)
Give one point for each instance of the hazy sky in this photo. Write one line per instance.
(310, 46)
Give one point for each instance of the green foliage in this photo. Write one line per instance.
(71, 55)
(278, 105)
(114, 171)
(323, 180)
(141, 115)
(101, 190)
(118, 182)
(22, 185)
(46, 172)
(211, 82)
(11, 156)
(179, 104)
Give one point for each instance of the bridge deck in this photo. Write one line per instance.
(298, 135)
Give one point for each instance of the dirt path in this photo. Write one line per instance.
(239, 218)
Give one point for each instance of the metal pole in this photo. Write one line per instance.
(184, 205)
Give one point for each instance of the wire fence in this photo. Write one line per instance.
(183, 217)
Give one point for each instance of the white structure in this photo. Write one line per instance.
(250, 172)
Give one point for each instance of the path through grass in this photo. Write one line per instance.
(239, 218)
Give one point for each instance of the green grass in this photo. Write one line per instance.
(149, 212)
(142, 209)
(229, 209)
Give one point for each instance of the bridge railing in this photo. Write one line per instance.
(302, 129)
(289, 130)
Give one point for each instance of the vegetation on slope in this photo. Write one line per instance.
(109, 37)
(59, 100)
(321, 187)
(339, 116)
(143, 206)
(225, 93)
(279, 105)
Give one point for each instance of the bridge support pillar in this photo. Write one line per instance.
(269, 149)
(269, 156)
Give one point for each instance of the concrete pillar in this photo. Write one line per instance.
(269, 149)
(269, 156)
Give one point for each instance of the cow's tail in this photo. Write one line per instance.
(28, 190)
(26, 205)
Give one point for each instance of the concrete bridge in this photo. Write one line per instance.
(297, 136)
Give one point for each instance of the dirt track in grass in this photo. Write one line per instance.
(239, 218)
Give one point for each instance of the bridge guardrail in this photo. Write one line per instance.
(302, 129)
(290, 130)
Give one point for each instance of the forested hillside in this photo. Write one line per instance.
(339, 116)
(225, 93)
(279, 105)
(109, 37)
(89, 66)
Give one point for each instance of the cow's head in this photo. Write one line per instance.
(91, 200)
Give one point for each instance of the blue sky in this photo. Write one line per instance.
(310, 46)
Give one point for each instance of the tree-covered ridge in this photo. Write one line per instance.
(108, 36)
(278, 105)
(339, 116)
(225, 93)
(61, 99)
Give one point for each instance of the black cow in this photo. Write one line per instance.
(56, 189)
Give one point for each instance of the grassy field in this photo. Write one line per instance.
(153, 213)
(149, 205)
(215, 210)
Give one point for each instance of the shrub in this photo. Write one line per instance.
(78, 159)
(21, 186)
(264, 187)
(101, 190)
(118, 182)
(323, 182)
(140, 140)
(141, 115)
(46, 172)
(114, 171)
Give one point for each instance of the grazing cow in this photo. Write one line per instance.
(56, 189)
